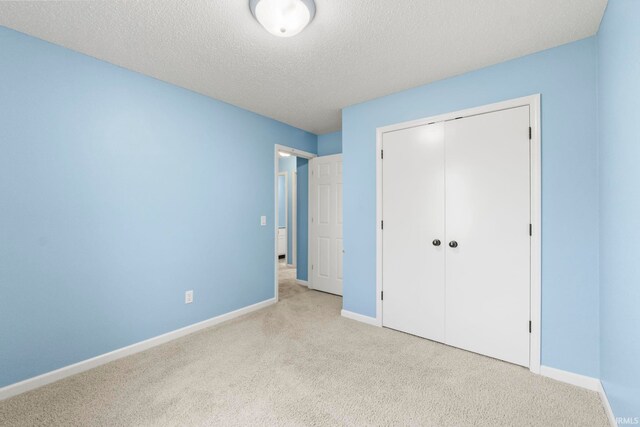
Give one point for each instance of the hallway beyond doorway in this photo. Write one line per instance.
(287, 285)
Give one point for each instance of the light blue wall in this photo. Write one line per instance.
(566, 78)
(619, 122)
(288, 165)
(330, 143)
(282, 201)
(302, 258)
(117, 194)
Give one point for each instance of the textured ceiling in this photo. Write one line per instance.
(353, 51)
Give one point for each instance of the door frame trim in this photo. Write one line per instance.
(293, 259)
(533, 102)
(276, 157)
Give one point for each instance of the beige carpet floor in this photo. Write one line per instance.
(287, 286)
(299, 363)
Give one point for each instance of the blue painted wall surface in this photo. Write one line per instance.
(619, 123)
(288, 166)
(566, 78)
(117, 194)
(330, 143)
(302, 257)
(282, 201)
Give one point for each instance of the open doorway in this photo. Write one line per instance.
(292, 221)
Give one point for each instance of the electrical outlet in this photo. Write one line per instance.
(263, 220)
(188, 297)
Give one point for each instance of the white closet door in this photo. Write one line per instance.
(326, 223)
(413, 212)
(488, 215)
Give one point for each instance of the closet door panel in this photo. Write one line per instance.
(488, 216)
(413, 214)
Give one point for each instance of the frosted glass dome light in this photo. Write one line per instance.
(283, 18)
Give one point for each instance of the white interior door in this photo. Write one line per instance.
(413, 232)
(325, 228)
(488, 216)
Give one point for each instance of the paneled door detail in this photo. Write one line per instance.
(325, 224)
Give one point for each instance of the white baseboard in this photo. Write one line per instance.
(360, 318)
(49, 377)
(607, 406)
(302, 282)
(583, 381)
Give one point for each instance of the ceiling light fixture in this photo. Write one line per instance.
(283, 18)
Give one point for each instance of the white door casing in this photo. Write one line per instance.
(413, 212)
(276, 159)
(293, 259)
(325, 226)
(488, 216)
